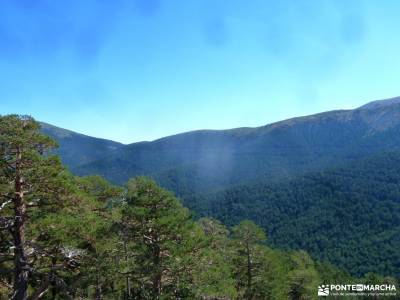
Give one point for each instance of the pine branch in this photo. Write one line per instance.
(6, 271)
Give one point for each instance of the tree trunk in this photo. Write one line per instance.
(128, 280)
(99, 293)
(21, 273)
(158, 272)
(249, 274)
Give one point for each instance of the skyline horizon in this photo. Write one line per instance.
(211, 129)
(135, 70)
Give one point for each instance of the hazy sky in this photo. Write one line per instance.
(139, 70)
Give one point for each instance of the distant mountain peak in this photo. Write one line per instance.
(381, 103)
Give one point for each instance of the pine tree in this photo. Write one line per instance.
(303, 278)
(32, 182)
(100, 270)
(214, 271)
(161, 239)
(247, 237)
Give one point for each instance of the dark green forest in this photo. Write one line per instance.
(208, 160)
(69, 237)
(348, 216)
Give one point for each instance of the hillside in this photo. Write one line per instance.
(76, 149)
(211, 159)
(349, 216)
(71, 237)
(327, 183)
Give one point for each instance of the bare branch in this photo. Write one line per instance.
(42, 290)
(4, 204)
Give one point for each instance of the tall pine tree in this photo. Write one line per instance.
(32, 183)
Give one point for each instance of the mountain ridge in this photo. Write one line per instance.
(76, 148)
(377, 103)
(318, 182)
(208, 159)
(370, 105)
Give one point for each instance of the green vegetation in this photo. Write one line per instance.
(67, 237)
(348, 216)
(206, 160)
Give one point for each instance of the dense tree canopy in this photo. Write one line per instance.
(66, 237)
(348, 215)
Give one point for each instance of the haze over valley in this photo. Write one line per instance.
(298, 178)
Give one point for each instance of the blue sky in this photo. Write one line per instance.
(140, 70)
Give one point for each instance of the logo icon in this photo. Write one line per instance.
(323, 290)
(359, 287)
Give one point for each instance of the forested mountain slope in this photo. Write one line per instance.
(349, 216)
(76, 149)
(210, 159)
(69, 237)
